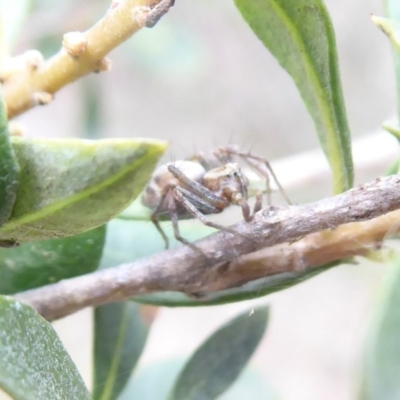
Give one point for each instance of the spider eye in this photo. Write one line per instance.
(235, 174)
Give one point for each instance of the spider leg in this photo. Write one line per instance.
(204, 199)
(242, 202)
(154, 216)
(199, 203)
(258, 204)
(224, 154)
(256, 166)
(198, 189)
(246, 209)
(173, 212)
(180, 197)
(266, 175)
(204, 161)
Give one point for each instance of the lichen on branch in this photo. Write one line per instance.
(29, 81)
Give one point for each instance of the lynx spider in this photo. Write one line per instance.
(205, 185)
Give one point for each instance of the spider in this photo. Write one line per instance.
(205, 185)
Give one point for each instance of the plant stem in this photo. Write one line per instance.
(81, 54)
(320, 225)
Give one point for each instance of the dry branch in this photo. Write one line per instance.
(230, 261)
(82, 53)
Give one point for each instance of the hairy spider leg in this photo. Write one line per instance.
(198, 189)
(224, 154)
(247, 157)
(218, 157)
(272, 172)
(212, 199)
(258, 204)
(201, 197)
(199, 203)
(156, 212)
(181, 198)
(245, 209)
(204, 161)
(257, 168)
(243, 182)
(219, 160)
(173, 212)
(194, 200)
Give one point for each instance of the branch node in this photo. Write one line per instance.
(75, 43)
(42, 98)
(103, 65)
(33, 59)
(80, 55)
(29, 61)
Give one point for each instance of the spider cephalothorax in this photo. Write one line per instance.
(203, 186)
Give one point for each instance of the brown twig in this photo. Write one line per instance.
(190, 271)
(314, 250)
(30, 81)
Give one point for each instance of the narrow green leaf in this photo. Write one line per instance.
(382, 366)
(220, 360)
(392, 130)
(119, 338)
(70, 186)
(394, 168)
(9, 169)
(33, 361)
(250, 384)
(40, 263)
(392, 10)
(300, 35)
(141, 385)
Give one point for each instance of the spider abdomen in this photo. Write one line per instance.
(162, 179)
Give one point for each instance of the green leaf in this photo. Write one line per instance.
(40, 263)
(394, 168)
(69, 186)
(382, 366)
(220, 360)
(300, 35)
(392, 130)
(392, 8)
(33, 361)
(141, 385)
(250, 384)
(120, 336)
(9, 169)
